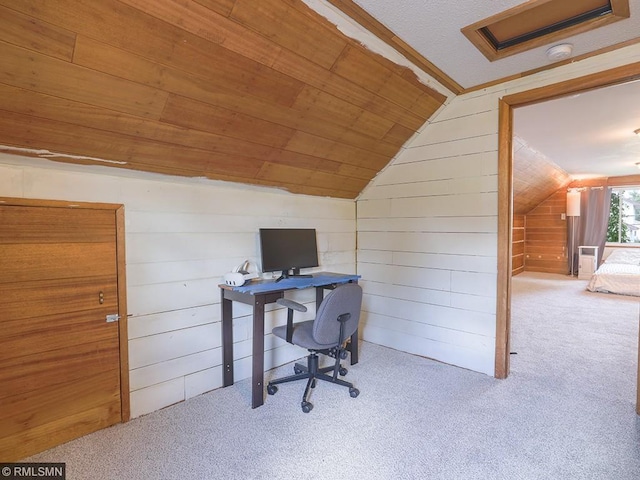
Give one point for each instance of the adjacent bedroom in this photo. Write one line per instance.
(576, 189)
(575, 286)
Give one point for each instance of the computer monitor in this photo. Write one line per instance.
(287, 250)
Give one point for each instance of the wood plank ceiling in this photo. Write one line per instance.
(535, 178)
(261, 92)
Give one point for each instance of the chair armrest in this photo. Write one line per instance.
(291, 306)
(285, 302)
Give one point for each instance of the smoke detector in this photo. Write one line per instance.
(559, 52)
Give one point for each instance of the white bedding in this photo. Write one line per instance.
(620, 273)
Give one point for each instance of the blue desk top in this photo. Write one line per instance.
(318, 280)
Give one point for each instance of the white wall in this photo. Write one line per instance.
(427, 228)
(181, 237)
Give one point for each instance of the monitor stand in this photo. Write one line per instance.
(295, 272)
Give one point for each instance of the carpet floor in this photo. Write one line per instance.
(567, 411)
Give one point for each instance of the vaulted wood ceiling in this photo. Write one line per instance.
(261, 92)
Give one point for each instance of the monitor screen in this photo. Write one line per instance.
(288, 249)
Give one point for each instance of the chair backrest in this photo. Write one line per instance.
(346, 298)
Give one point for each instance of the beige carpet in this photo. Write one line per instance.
(567, 411)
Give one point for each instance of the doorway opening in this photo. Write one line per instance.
(614, 76)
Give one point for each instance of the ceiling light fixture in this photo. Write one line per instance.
(637, 132)
(638, 164)
(559, 52)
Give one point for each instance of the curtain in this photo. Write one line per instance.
(591, 225)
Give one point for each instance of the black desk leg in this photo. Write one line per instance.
(319, 297)
(227, 340)
(257, 374)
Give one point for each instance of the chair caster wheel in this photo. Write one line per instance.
(272, 389)
(354, 392)
(306, 407)
(343, 371)
(343, 354)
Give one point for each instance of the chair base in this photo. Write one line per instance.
(313, 372)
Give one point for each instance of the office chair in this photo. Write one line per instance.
(336, 320)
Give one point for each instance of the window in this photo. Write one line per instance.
(624, 216)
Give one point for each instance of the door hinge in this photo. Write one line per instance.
(114, 317)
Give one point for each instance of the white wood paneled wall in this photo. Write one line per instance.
(181, 238)
(427, 236)
(427, 228)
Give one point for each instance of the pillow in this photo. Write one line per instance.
(629, 256)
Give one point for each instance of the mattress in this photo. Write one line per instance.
(621, 278)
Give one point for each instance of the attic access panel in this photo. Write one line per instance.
(540, 22)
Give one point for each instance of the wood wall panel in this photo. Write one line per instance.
(315, 104)
(396, 133)
(27, 32)
(335, 153)
(205, 88)
(223, 7)
(192, 114)
(203, 78)
(282, 23)
(546, 236)
(43, 74)
(128, 151)
(347, 155)
(378, 79)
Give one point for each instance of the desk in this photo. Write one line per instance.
(258, 294)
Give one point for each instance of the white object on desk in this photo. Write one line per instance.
(587, 261)
(234, 279)
(240, 275)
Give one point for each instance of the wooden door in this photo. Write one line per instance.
(60, 359)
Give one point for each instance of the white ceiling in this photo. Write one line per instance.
(587, 135)
(432, 27)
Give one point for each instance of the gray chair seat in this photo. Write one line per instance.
(302, 335)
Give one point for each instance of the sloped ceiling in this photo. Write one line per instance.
(535, 177)
(261, 92)
(264, 92)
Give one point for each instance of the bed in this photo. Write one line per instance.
(620, 273)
